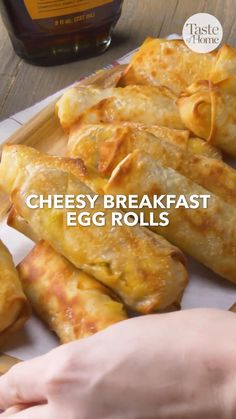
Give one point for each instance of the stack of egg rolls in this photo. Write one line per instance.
(95, 142)
(146, 272)
(207, 234)
(103, 147)
(150, 174)
(155, 135)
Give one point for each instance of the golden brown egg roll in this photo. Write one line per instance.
(183, 139)
(82, 136)
(167, 62)
(143, 269)
(208, 110)
(103, 147)
(207, 234)
(145, 104)
(176, 136)
(77, 99)
(155, 64)
(71, 302)
(198, 146)
(14, 307)
(225, 64)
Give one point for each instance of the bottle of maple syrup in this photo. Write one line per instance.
(49, 32)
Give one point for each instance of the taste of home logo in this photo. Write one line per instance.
(202, 32)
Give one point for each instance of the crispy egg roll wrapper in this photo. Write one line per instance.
(182, 139)
(178, 137)
(198, 146)
(167, 62)
(71, 302)
(155, 64)
(87, 133)
(19, 224)
(208, 110)
(208, 235)
(143, 269)
(14, 307)
(103, 147)
(225, 64)
(144, 104)
(15, 221)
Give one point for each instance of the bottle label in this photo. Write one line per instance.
(44, 9)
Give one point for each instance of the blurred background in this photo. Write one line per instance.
(23, 84)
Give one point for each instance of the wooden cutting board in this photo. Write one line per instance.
(44, 132)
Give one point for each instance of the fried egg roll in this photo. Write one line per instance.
(14, 307)
(144, 270)
(208, 110)
(103, 147)
(81, 138)
(206, 234)
(198, 146)
(167, 62)
(145, 104)
(225, 64)
(71, 302)
(155, 64)
(181, 138)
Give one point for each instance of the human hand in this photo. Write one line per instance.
(171, 366)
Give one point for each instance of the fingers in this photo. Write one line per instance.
(23, 384)
(15, 409)
(37, 412)
(12, 410)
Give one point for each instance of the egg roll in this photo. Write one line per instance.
(207, 109)
(143, 269)
(14, 307)
(71, 302)
(198, 146)
(81, 138)
(102, 148)
(225, 64)
(206, 234)
(155, 64)
(145, 104)
(167, 62)
(180, 138)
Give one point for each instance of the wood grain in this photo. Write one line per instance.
(23, 84)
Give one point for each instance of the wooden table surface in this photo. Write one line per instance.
(23, 84)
